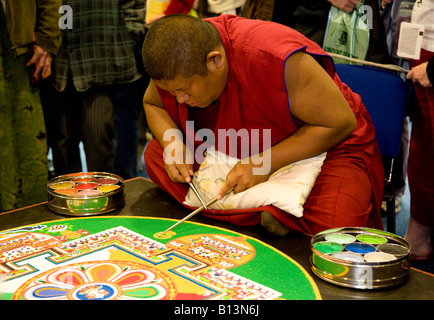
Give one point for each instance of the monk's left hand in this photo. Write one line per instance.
(241, 177)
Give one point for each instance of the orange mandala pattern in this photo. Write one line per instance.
(99, 280)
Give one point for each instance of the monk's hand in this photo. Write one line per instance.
(242, 177)
(178, 162)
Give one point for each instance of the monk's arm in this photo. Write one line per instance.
(327, 119)
(159, 123)
(314, 99)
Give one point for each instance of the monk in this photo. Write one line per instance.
(234, 73)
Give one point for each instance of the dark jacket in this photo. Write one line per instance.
(100, 49)
(26, 18)
(430, 70)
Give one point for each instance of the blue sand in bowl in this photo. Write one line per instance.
(361, 248)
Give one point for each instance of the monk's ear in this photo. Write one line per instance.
(214, 60)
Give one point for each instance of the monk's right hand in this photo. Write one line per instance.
(178, 162)
(179, 172)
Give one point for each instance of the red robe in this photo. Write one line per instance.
(349, 189)
(421, 155)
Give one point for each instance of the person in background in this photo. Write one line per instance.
(128, 103)
(97, 55)
(29, 39)
(160, 9)
(423, 74)
(217, 7)
(214, 8)
(309, 17)
(421, 155)
(391, 19)
(128, 110)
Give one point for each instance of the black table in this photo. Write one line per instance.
(144, 198)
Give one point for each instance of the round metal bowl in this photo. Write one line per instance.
(86, 193)
(360, 258)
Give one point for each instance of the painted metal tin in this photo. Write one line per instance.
(86, 193)
(360, 258)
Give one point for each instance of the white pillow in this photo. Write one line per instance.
(287, 188)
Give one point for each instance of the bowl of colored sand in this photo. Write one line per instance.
(360, 258)
(85, 193)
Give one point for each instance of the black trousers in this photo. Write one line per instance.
(72, 117)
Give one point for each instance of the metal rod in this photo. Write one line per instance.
(197, 194)
(189, 216)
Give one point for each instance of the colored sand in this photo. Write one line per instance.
(80, 180)
(348, 256)
(395, 249)
(341, 238)
(328, 247)
(372, 239)
(62, 185)
(85, 186)
(107, 188)
(379, 257)
(106, 181)
(358, 247)
(89, 192)
(68, 192)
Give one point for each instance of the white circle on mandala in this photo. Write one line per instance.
(95, 291)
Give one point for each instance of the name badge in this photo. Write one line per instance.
(410, 40)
